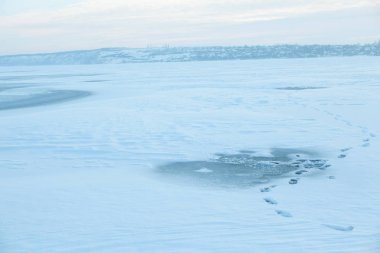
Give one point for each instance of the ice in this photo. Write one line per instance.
(116, 170)
(244, 168)
(8, 101)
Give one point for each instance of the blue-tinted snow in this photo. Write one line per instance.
(81, 176)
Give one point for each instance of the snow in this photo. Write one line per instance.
(183, 54)
(204, 170)
(83, 174)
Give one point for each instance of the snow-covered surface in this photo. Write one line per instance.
(80, 174)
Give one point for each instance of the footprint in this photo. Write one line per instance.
(342, 156)
(270, 201)
(331, 177)
(339, 228)
(345, 149)
(324, 166)
(293, 181)
(267, 189)
(365, 142)
(300, 172)
(284, 213)
(372, 135)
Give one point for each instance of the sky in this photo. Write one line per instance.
(31, 26)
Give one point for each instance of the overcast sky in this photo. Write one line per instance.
(28, 26)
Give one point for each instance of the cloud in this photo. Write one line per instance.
(130, 22)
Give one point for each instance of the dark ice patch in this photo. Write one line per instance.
(44, 98)
(96, 81)
(245, 168)
(9, 86)
(301, 88)
(51, 76)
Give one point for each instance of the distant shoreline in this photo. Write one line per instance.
(186, 54)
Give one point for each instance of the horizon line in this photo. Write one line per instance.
(163, 46)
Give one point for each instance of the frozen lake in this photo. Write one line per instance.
(234, 156)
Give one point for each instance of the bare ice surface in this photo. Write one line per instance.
(44, 98)
(245, 168)
(301, 88)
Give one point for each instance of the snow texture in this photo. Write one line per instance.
(191, 157)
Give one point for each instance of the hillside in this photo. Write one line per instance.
(182, 54)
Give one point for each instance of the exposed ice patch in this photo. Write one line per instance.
(96, 81)
(301, 88)
(42, 98)
(244, 168)
(9, 86)
(47, 76)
